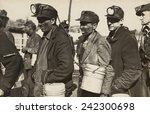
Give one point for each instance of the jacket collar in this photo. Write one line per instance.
(112, 35)
(51, 34)
(91, 41)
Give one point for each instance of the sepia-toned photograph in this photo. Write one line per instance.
(74, 48)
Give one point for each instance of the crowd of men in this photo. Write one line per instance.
(112, 66)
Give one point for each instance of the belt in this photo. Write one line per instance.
(9, 55)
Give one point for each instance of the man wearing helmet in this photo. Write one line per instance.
(143, 11)
(54, 65)
(94, 54)
(125, 56)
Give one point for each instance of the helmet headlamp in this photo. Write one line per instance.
(35, 8)
(110, 11)
(115, 12)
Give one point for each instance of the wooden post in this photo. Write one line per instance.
(69, 12)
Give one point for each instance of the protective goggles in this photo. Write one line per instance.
(42, 20)
(112, 20)
(82, 23)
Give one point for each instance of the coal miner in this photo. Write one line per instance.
(30, 53)
(125, 56)
(54, 66)
(94, 54)
(143, 11)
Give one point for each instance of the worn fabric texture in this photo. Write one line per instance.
(59, 58)
(96, 51)
(126, 62)
(12, 61)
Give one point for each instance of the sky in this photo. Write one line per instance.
(20, 9)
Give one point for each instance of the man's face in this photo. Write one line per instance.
(145, 17)
(28, 29)
(113, 24)
(45, 26)
(86, 28)
(3, 21)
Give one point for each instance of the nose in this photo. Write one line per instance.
(109, 23)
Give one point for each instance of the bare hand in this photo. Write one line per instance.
(1, 92)
(24, 50)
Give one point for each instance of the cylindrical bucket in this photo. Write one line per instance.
(54, 89)
(120, 95)
(93, 78)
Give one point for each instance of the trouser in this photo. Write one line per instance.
(142, 86)
(79, 91)
(146, 79)
(28, 84)
(69, 87)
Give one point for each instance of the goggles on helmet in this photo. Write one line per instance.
(112, 20)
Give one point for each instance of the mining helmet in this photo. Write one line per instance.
(43, 10)
(140, 9)
(3, 14)
(115, 12)
(65, 24)
(88, 16)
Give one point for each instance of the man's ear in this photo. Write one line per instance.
(53, 20)
(121, 21)
(95, 26)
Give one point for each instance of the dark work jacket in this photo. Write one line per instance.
(126, 62)
(6, 47)
(145, 58)
(59, 58)
(147, 46)
(11, 60)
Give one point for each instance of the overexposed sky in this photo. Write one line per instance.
(18, 9)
